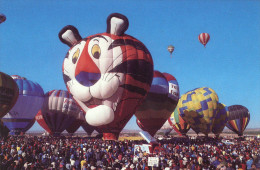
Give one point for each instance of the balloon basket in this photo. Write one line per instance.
(110, 136)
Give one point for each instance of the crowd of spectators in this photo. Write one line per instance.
(77, 153)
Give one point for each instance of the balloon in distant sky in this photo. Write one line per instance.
(28, 104)
(198, 108)
(39, 118)
(238, 119)
(8, 93)
(178, 124)
(2, 18)
(220, 119)
(59, 110)
(108, 74)
(170, 49)
(159, 103)
(204, 38)
(74, 126)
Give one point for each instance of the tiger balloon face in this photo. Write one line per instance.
(107, 73)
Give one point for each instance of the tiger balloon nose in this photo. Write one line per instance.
(108, 74)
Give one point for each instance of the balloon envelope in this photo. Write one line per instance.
(204, 38)
(108, 74)
(39, 118)
(59, 110)
(170, 49)
(178, 124)
(2, 18)
(238, 119)
(220, 119)
(74, 126)
(8, 93)
(28, 104)
(198, 108)
(28, 126)
(159, 102)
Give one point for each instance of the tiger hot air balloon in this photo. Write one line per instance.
(198, 108)
(28, 103)
(8, 93)
(238, 119)
(220, 119)
(159, 103)
(178, 124)
(108, 74)
(59, 110)
(204, 38)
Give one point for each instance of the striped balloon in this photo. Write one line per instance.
(59, 110)
(28, 104)
(238, 119)
(39, 118)
(178, 124)
(159, 102)
(198, 108)
(204, 38)
(8, 93)
(220, 119)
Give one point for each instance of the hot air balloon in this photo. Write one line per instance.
(166, 128)
(204, 38)
(108, 74)
(59, 110)
(29, 102)
(178, 124)
(39, 118)
(220, 119)
(3, 130)
(170, 49)
(159, 103)
(198, 108)
(74, 126)
(28, 126)
(8, 93)
(238, 119)
(2, 18)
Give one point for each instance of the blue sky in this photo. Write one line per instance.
(230, 63)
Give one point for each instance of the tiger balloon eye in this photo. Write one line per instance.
(111, 76)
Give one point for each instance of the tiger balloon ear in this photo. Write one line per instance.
(69, 35)
(117, 24)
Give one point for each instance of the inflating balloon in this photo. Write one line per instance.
(108, 74)
(159, 103)
(220, 119)
(28, 126)
(28, 104)
(39, 118)
(178, 124)
(59, 110)
(204, 38)
(8, 93)
(198, 108)
(166, 128)
(74, 126)
(238, 119)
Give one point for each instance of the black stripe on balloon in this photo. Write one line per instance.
(136, 44)
(140, 70)
(66, 78)
(134, 89)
